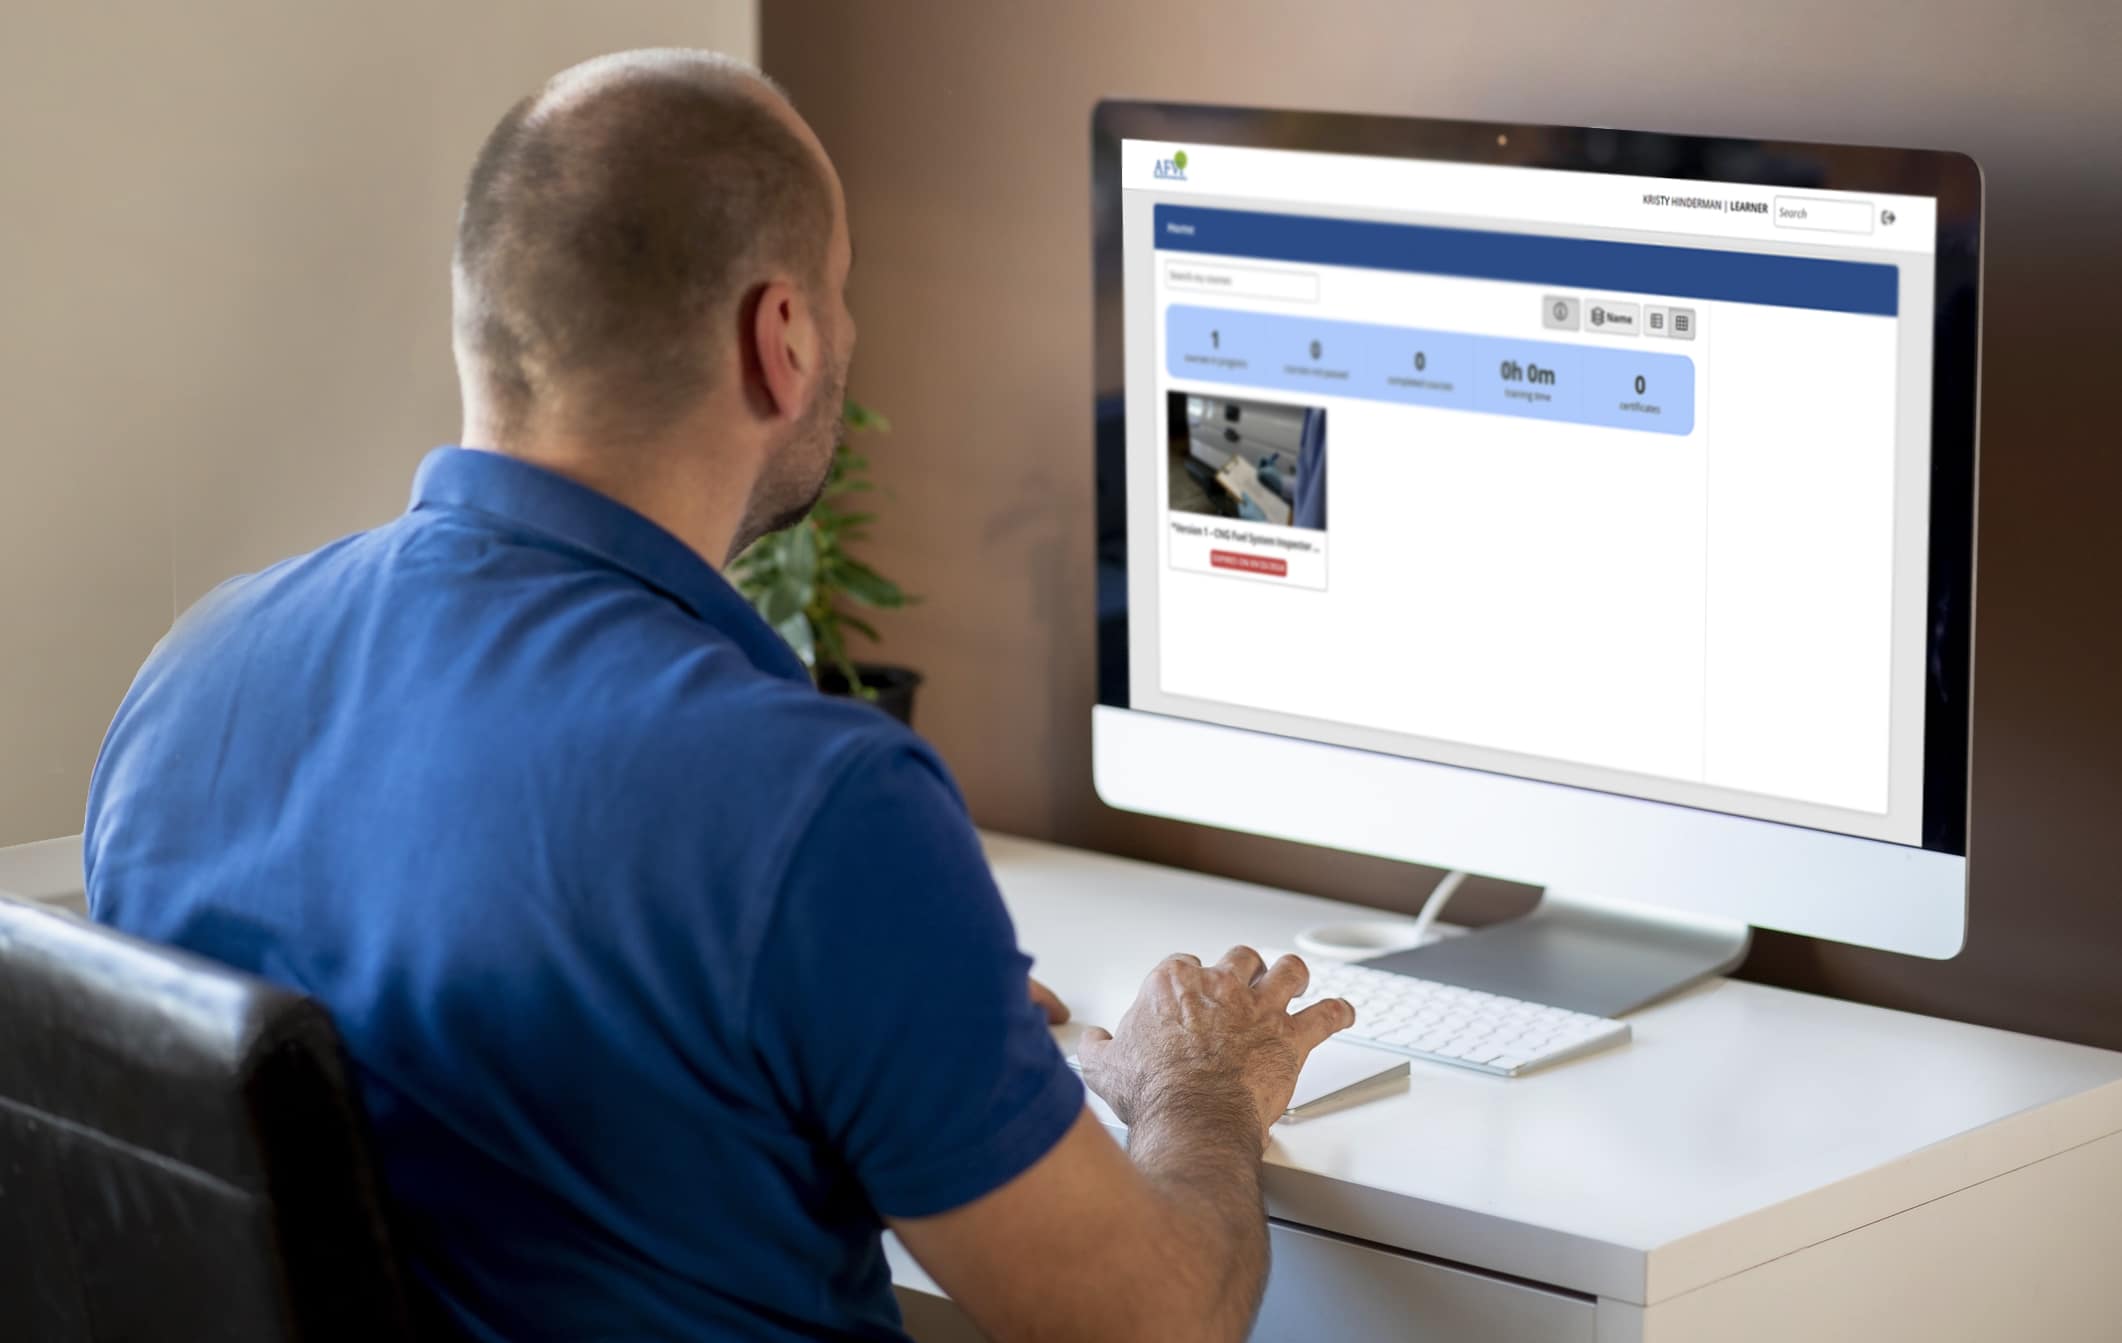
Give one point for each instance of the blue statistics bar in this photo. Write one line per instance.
(1525, 258)
(1619, 388)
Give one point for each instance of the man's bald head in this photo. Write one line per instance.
(611, 228)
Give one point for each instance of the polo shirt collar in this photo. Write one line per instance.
(516, 492)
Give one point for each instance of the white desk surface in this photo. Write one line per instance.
(1741, 1124)
(47, 871)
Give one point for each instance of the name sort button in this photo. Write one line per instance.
(1609, 318)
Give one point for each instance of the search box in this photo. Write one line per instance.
(1828, 216)
(1290, 286)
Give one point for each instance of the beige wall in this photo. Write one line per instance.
(961, 129)
(224, 304)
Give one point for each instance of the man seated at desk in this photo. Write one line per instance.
(670, 981)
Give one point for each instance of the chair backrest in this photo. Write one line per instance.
(182, 1156)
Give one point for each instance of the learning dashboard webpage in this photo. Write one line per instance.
(1609, 481)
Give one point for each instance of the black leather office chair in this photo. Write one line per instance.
(181, 1154)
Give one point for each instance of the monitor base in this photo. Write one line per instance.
(1586, 955)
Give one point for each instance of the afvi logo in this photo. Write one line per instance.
(1172, 169)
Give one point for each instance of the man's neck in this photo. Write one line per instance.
(696, 498)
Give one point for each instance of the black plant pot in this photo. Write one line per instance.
(893, 686)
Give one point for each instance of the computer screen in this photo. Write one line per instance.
(1602, 478)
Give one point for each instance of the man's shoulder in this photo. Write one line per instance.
(782, 737)
(754, 784)
(279, 595)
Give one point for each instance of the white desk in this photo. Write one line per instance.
(47, 871)
(1755, 1165)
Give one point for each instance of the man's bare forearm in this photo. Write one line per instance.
(1203, 1062)
(1202, 1153)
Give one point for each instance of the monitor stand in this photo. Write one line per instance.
(1586, 955)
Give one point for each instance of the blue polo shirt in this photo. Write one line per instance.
(665, 977)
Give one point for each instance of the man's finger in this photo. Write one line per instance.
(1094, 1041)
(1184, 958)
(1243, 962)
(1050, 1003)
(1322, 1019)
(1284, 980)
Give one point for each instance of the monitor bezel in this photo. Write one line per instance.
(1954, 180)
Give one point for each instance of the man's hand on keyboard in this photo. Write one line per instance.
(1200, 1038)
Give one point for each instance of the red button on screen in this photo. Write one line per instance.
(1252, 564)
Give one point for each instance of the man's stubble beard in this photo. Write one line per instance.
(796, 478)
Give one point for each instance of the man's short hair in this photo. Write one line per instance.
(611, 224)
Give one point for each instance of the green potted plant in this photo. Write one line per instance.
(803, 581)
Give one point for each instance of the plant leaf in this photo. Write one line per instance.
(861, 419)
(799, 557)
(799, 578)
(796, 629)
(862, 627)
(868, 586)
(782, 602)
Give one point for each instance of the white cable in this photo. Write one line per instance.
(1434, 906)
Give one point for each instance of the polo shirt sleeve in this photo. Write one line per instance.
(891, 1002)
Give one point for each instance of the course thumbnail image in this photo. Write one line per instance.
(1256, 461)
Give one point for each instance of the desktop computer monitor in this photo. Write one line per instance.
(1582, 507)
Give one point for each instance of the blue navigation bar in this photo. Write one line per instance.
(1525, 258)
(1630, 388)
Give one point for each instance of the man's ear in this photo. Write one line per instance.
(784, 343)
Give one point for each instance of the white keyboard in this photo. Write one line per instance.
(1446, 1024)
